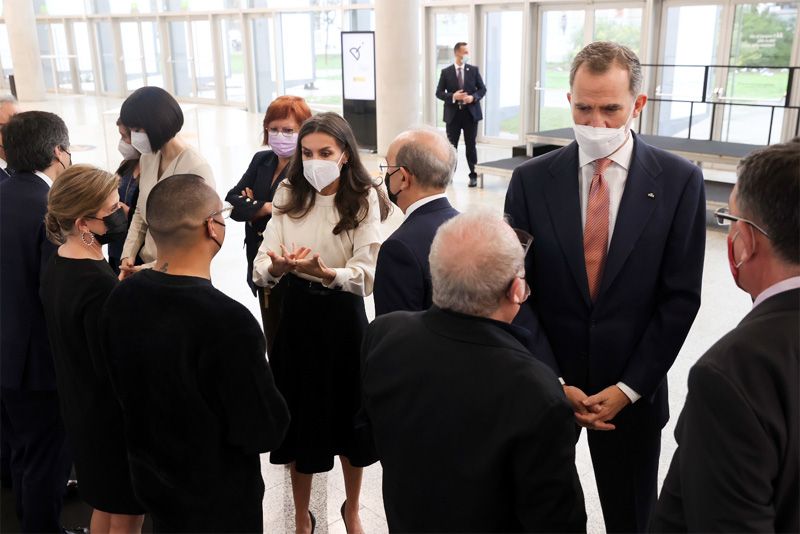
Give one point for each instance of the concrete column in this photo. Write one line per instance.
(397, 64)
(22, 37)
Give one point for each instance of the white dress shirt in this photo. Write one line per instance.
(780, 287)
(44, 177)
(615, 176)
(421, 202)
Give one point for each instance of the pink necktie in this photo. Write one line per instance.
(595, 233)
(460, 76)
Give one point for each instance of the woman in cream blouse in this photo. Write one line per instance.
(154, 119)
(323, 239)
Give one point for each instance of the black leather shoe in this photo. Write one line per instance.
(473, 181)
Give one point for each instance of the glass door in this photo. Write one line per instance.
(192, 59)
(502, 58)
(233, 63)
(762, 42)
(449, 28)
(563, 33)
(689, 42)
(263, 54)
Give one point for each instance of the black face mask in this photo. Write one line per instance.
(116, 228)
(392, 196)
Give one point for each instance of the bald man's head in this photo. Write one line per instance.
(428, 155)
(178, 208)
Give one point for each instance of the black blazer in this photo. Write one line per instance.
(403, 274)
(474, 434)
(257, 177)
(25, 356)
(473, 85)
(650, 291)
(737, 466)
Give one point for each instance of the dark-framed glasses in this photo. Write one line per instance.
(724, 217)
(286, 132)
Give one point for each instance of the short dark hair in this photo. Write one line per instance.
(155, 111)
(599, 56)
(177, 207)
(768, 193)
(30, 139)
(458, 46)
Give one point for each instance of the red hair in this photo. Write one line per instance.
(285, 107)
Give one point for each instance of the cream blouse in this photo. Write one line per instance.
(352, 253)
(187, 162)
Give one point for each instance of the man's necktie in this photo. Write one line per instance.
(595, 233)
(460, 76)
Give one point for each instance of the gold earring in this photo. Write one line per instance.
(91, 238)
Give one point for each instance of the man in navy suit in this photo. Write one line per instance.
(8, 108)
(419, 168)
(615, 270)
(461, 88)
(36, 145)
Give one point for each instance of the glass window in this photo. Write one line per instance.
(47, 55)
(126, 6)
(502, 74)
(312, 63)
(688, 41)
(5, 52)
(59, 7)
(203, 59)
(132, 55)
(233, 58)
(763, 36)
(108, 60)
(83, 50)
(151, 48)
(180, 59)
(360, 20)
(623, 25)
(264, 62)
(562, 39)
(449, 29)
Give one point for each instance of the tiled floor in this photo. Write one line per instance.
(228, 138)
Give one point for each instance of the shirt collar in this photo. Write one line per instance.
(44, 177)
(421, 202)
(780, 287)
(3, 163)
(457, 66)
(621, 157)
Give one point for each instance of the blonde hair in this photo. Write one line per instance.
(79, 191)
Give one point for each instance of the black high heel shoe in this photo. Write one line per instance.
(341, 511)
(313, 522)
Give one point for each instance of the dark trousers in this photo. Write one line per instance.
(40, 460)
(625, 464)
(463, 121)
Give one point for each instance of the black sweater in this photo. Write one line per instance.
(198, 399)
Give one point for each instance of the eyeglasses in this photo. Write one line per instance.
(527, 287)
(286, 132)
(224, 212)
(525, 239)
(725, 218)
(384, 167)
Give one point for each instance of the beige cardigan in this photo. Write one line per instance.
(187, 162)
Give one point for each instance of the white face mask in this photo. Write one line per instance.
(601, 142)
(321, 173)
(141, 142)
(465, 59)
(127, 150)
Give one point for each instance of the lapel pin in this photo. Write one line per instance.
(651, 195)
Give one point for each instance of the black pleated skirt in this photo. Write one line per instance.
(316, 362)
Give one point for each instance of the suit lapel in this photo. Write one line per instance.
(564, 205)
(637, 205)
